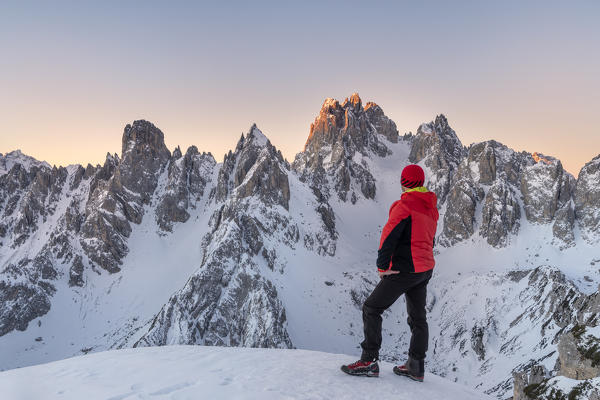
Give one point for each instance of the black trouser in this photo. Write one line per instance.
(387, 291)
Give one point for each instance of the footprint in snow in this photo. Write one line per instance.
(171, 389)
(226, 381)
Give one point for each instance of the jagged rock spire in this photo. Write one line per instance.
(337, 134)
(269, 178)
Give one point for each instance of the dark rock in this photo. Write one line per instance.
(459, 220)
(541, 185)
(500, 214)
(268, 180)
(186, 182)
(477, 334)
(439, 149)
(32, 298)
(572, 355)
(523, 380)
(76, 272)
(119, 191)
(587, 200)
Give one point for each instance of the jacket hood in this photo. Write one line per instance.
(429, 199)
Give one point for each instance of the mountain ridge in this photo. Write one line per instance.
(251, 251)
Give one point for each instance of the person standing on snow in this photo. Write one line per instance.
(405, 264)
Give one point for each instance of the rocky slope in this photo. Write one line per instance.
(156, 248)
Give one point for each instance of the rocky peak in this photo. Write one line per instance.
(144, 154)
(118, 197)
(351, 124)
(249, 149)
(256, 137)
(187, 180)
(176, 154)
(12, 158)
(539, 157)
(354, 102)
(442, 137)
(254, 152)
(494, 160)
(438, 148)
(340, 132)
(144, 139)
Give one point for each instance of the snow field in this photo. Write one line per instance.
(198, 372)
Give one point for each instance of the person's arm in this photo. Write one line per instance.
(392, 231)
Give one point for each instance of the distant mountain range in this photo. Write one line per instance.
(160, 247)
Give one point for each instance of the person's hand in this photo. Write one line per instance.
(388, 272)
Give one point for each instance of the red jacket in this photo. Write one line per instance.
(408, 236)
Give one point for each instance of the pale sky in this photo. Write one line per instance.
(72, 75)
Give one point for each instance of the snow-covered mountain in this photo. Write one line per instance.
(192, 372)
(157, 247)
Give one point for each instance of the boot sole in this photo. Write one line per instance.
(368, 374)
(414, 378)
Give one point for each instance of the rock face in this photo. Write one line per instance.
(575, 362)
(459, 219)
(269, 178)
(30, 201)
(119, 200)
(493, 180)
(437, 147)
(542, 200)
(578, 359)
(535, 376)
(341, 136)
(229, 301)
(24, 296)
(587, 200)
(187, 179)
(501, 214)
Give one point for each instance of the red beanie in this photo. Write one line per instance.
(412, 176)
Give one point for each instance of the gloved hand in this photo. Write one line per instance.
(388, 272)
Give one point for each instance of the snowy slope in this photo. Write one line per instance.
(193, 372)
(108, 307)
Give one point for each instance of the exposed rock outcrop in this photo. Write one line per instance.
(587, 200)
(24, 295)
(188, 177)
(524, 381)
(437, 147)
(500, 215)
(228, 301)
(546, 188)
(120, 191)
(255, 168)
(339, 140)
(459, 218)
(579, 354)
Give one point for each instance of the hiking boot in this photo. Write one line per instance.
(362, 368)
(413, 369)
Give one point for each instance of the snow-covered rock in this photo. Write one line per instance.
(228, 301)
(188, 177)
(437, 147)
